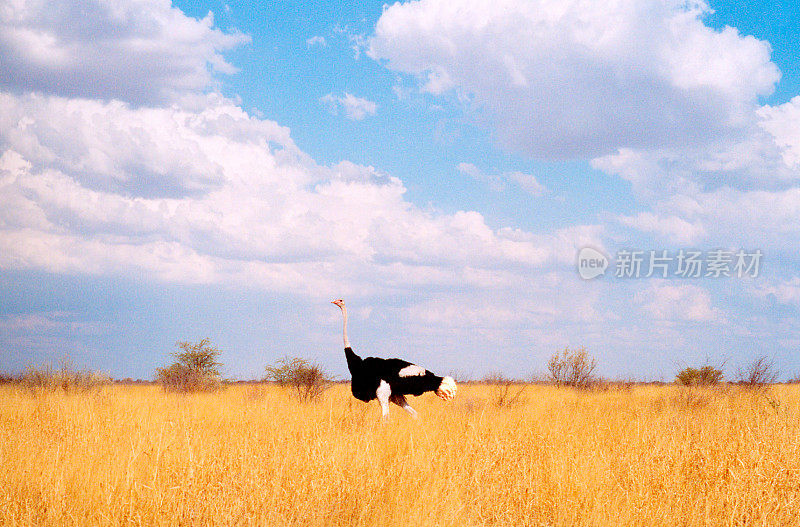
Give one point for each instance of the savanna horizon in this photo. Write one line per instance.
(254, 455)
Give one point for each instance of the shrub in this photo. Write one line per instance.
(705, 376)
(308, 381)
(194, 370)
(758, 373)
(504, 392)
(66, 378)
(572, 368)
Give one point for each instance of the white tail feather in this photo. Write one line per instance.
(447, 389)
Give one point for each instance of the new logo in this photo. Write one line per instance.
(591, 263)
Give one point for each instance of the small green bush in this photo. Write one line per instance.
(704, 376)
(308, 381)
(196, 369)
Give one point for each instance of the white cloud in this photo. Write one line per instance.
(215, 195)
(758, 218)
(581, 78)
(526, 182)
(672, 228)
(140, 51)
(783, 291)
(357, 41)
(46, 323)
(725, 216)
(739, 191)
(202, 192)
(783, 123)
(552, 300)
(316, 40)
(498, 182)
(494, 181)
(683, 302)
(102, 144)
(752, 159)
(355, 108)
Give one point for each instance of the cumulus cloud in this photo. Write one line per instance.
(139, 51)
(101, 177)
(99, 181)
(758, 218)
(217, 195)
(741, 191)
(354, 108)
(102, 145)
(753, 159)
(669, 227)
(645, 90)
(684, 302)
(580, 78)
(498, 182)
(316, 40)
(783, 123)
(783, 291)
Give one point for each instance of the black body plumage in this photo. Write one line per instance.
(368, 373)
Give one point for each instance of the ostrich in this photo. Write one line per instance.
(390, 380)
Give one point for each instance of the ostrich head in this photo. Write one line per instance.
(339, 302)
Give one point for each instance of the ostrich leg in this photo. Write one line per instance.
(383, 393)
(400, 400)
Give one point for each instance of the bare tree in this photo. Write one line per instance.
(557, 367)
(572, 368)
(758, 373)
(504, 391)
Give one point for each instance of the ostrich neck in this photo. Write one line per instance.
(344, 327)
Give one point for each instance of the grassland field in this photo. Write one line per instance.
(253, 455)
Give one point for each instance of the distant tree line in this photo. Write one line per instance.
(196, 367)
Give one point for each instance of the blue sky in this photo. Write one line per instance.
(166, 174)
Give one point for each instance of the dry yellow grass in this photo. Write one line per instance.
(252, 456)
